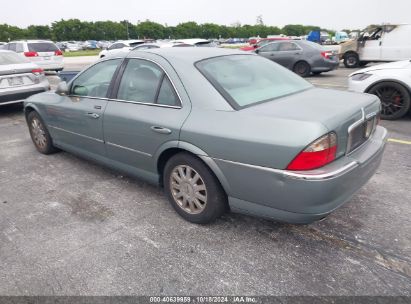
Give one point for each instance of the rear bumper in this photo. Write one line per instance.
(17, 96)
(326, 66)
(297, 197)
(50, 65)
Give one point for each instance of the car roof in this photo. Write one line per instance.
(32, 41)
(190, 55)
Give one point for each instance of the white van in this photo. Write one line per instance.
(383, 43)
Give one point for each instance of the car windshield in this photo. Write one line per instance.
(246, 80)
(42, 47)
(11, 58)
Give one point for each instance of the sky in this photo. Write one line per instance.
(331, 14)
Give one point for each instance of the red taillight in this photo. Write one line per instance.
(58, 53)
(318, 154)
(327, 55)
(37, 71)
(31, 54)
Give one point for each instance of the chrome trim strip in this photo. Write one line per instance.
(88, 97)
(128, 149)
(74, 133)
(146, 103)
(297, 175)
(371, 115)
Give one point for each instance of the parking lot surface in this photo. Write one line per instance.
(71, 227)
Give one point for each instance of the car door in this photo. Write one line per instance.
(268, 51)
(77, 119)
(145, 113)
(288, 53)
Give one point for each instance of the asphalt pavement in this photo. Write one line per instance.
(71, 227)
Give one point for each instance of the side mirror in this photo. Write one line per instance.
(62, 89)
(257, 51)
(80, 91)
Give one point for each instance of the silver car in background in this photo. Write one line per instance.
(44, 53)
(302, 57)
(19, 78)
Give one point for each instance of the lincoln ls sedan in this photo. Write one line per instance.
(218, 129)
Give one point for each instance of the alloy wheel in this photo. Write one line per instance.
(39, 135)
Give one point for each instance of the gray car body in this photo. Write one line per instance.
(248, 150)
(32, 84)
(307, 51)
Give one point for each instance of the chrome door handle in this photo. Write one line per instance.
(160, 130)
(93, 115)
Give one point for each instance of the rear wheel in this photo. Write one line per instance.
(395, 99)
(351, 60)
(39, 134)
(302, 68)
(193, 190)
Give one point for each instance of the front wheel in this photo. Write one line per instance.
(193, 190)
(395, 99)
(302, 68)
(39, 134)
(351, 60)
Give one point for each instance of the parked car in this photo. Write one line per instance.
(302, 57)
(218, 129)
(72, 46)
(2, 44)
(379, 44)
(19, 78)
(41, 52)
(195, 42)
(147, 46)
(262, 42)
(119, 47)
(391, 82)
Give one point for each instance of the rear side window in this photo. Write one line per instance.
(11, 58)
(42, 47)
(144, 81)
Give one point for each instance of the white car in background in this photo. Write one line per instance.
(391, 82)
(44, 53)
(119, 47)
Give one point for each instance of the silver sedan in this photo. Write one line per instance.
(19, 78)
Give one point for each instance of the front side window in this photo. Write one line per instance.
(144, 81)
(95, 81)
(246, 80)
(117, 46)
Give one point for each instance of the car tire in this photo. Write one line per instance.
(351, 60)
(193, 190)
(363, 63)
(395, 99)
(39, 134)
(302, 69)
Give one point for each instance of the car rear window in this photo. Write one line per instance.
(11, 58)
(246, 80)
(42, 47)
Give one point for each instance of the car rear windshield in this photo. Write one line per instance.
(42, 47)
(246, 80)
(11, 58)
